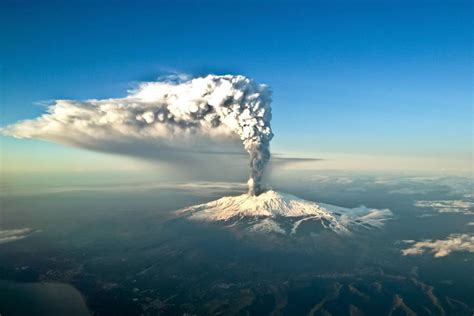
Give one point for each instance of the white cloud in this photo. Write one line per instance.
(441, 247)
(329, 179)
(408, 191)
(456, 185)
(11, 235)
(448, 206)
(427, 215)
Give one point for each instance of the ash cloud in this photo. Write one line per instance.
(166, 120)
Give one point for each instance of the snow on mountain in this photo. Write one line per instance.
(270, 209)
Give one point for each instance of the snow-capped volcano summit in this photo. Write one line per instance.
(267, 211)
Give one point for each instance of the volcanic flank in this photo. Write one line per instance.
(269, 210)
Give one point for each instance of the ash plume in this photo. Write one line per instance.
(174, 117)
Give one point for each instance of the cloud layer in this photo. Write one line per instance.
(448, 206)
(11, 235)
(167, 121)
(441, 247)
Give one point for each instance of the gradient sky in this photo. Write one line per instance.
(388, 79)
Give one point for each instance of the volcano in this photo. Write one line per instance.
(275, 212)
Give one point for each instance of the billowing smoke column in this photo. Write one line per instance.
(259, 155)
(166, 112)
(236, 102)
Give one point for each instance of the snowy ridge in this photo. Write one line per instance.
(270, 207)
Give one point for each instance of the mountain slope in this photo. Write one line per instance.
(269, 210)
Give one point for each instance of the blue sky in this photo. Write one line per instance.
(348, 77)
